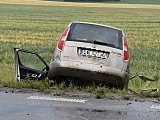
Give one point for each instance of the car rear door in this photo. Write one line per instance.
(29, 65)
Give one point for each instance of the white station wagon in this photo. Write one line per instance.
(85, 50)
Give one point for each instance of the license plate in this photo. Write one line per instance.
(93, 53)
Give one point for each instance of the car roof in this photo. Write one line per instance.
(96, 24)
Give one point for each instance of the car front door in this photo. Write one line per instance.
(29, 65)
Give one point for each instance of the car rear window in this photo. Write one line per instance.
(92, 33)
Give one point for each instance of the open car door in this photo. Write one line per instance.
(29, 65)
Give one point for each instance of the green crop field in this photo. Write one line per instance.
(38, 28)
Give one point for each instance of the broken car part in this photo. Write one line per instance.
(143, 78)
(29, 64)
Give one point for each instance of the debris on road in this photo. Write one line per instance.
(144, 79)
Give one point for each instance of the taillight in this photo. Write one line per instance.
(63, 39)
(125, 50)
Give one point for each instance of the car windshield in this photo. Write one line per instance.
(95, 34)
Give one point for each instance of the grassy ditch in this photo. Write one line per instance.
(38, 28)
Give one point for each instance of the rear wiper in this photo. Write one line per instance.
(102, 43)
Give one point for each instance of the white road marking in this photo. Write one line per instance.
(57, 99)
(155, 107)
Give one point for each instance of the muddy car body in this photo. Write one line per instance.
(93, 52)
(85, 50)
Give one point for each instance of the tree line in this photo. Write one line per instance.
(90, 0)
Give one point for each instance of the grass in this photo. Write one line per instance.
(38, 28)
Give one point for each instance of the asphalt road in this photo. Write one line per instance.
(37, 106)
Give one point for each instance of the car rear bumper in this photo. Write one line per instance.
(89, 71)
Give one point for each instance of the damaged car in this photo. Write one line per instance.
(85, 50)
